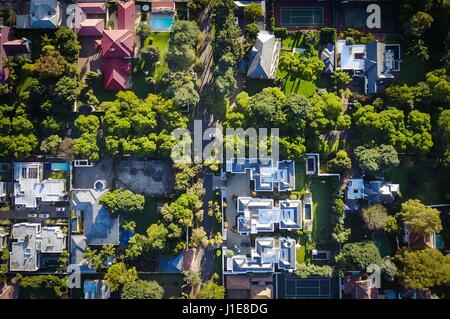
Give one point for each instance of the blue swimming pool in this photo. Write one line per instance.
(160, 23)
(60, 167)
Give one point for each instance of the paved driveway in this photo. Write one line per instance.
(237, 185)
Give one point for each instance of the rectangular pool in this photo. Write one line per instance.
(162, 22)
(308, 211)
(60, 167)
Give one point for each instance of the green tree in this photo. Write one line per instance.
(150, 54)
(122, 201)
(118, 275)
(358, 256)
(142, 289)
(51, 64)
(341, 78)
(341, 162)
(419, 23)
(391, 225)
(211, 290)
(373, 160)
(199, 238)
(85, 147)
(87, 124)
(51, 144)
(67, 43)
(421, 219)
(253, 11)
(375, 216)
(306, 270)
(252, 30)
(423, 269)
(156, 236)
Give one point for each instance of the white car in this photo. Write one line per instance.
(237, 249)
(60, 209)
(44, 215)
(32, 215)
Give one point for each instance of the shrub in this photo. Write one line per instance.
(280, 32)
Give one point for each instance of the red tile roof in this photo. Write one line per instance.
(117, 44)
(126, 15)
(163, 5)
(91, 27)
(93, 7)
(116, 72)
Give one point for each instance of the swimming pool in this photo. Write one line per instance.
(308, 211)
(60, 167)
(161, 22)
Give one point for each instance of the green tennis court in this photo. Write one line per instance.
(302, 17)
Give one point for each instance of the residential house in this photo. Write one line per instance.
(10, 47)
(374, 192)
(97, 226)
(328, 58)
(264, 56)
(89, 18)
(45, 14)
(3, 192)
(31, 189)
(117, 47)
(249, 286)
(3, 238)
(267, 255)
(31, 243)
(373, 64)
(414, 239)
(357, 286)
(260, 215)
(265, 173)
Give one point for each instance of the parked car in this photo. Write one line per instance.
(237, 249)
(44, 215)
(32, 215)
(60, 209)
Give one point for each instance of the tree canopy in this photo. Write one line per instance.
(142, 289)
(122, 201)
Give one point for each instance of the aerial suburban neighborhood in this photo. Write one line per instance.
(343, 194)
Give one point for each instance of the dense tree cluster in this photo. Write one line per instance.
(227, 48)
(392, 126)
(141, 127)
(122, 201)
(299, 119)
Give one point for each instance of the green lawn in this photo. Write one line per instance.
(161, 40)
(418, 182)
(321, 190)
(25, 85)
(292, 41)
(413, 70)
(301, 254)
(297, 85)
(147, 217)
